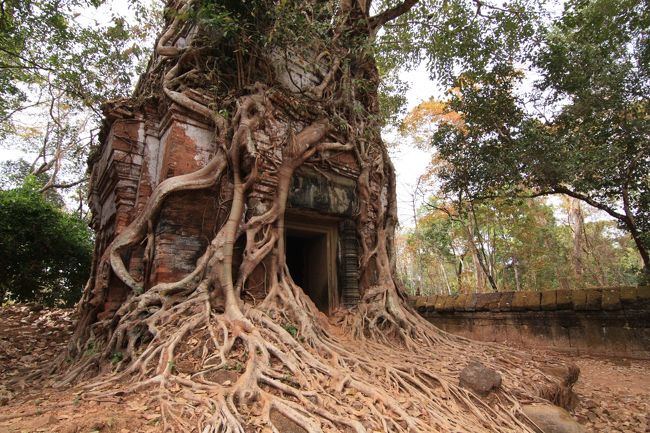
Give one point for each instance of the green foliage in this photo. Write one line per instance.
(116, 357)
(522, 244)
(91, 349)
(591, 141)
(43, 41)
(291, 329)
(13, 174)
(45, 253)
(453, 35)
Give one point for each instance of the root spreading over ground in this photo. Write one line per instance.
(245, 368)
(214, 363)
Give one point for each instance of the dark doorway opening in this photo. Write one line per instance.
(307, 259)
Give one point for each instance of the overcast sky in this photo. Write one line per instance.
(411, 162)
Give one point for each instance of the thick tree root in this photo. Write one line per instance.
(244, 369)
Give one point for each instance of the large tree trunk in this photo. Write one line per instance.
(375, 367)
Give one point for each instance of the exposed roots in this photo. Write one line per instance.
(244, 369)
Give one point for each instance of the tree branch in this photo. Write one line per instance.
(63, 185)
(390, 14)
(563, 190)
(558, 189)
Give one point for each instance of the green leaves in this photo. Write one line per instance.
(453, 35)
(291, 329)
(45, 253)
(584, 130)
(56, 43)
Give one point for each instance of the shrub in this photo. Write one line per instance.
(45, 252)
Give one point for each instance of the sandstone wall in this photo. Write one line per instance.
(607, 321)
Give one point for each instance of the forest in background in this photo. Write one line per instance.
(512, 245)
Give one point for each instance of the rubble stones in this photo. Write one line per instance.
(479, 378)
(552, 419)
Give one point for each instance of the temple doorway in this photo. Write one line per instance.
(311, 259)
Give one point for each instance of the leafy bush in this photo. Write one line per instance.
(45, 253)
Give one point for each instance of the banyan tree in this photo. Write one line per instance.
(245, 209)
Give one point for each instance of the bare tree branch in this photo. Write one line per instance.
(63, 185)
(390, 14)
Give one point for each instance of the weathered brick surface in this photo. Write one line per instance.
(470, 305)
(564, 300)
(505, 303)
(628, 295)
(549, 300)
(594, 299)
(143, 148)
(459, 304)
(613, 321)
(519, 300)
(579, 299)
(431, 302)
(448, 304)
(643, 294)
(488, 301)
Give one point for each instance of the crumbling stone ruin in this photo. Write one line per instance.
(144, 146)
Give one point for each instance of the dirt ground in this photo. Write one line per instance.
(614, 393)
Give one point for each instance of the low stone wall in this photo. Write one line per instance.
(607, 321)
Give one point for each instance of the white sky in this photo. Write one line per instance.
(409, 161)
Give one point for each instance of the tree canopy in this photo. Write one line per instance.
(59, 62)
(581, 130)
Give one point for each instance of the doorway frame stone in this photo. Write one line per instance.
(322, 225)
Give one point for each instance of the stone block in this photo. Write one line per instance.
(440, 302)
(643, 297)
(480, 302)
(549, 300)
(420, 304)
(594, 299)
(494, 299)
(431, 303)
(519, 301)
(643, 294)
(470, 304)
(564, 300)
(479, 378)
(448, 306)
(579, 299)
(628, 295)
(533, 300)
(552, 419)
(505, 303)
(488, 301)
(611, 299)
(459, 304)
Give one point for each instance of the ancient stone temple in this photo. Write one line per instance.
(144, 146)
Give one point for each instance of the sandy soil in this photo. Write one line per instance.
(614, 393)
